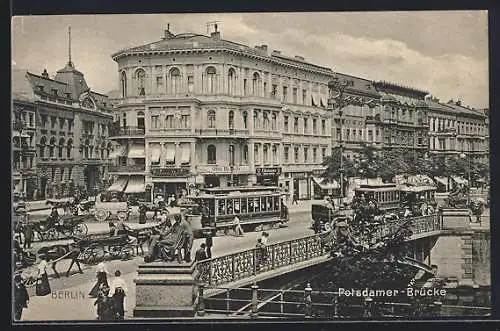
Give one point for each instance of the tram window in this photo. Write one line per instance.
(270, 203)
(244, 205)
(251, 207)
(276, 203)
(256, 202)
(229, 206)
(211, 207)
(263, 203)
(222, 207)
(237, 206)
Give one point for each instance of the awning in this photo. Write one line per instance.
(170, 155)
(442, 180)
(119, 151)
(315, 99)
(135, 185)
(136, 151)
(186, 154)
(118, 185)
(326, 186)
(155, 153)
(324, 101)
(460, 180)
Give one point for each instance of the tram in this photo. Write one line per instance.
(257, 208)
(386, 196)
(417, 197)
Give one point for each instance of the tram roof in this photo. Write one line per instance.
(212, 190)
(377, 187)
(422, 188)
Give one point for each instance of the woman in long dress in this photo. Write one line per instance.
(42, 283)
(102, 279)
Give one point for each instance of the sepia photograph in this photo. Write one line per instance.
(250, 166)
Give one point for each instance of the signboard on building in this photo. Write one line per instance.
(170, 172)
(276, 171)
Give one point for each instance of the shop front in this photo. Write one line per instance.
(268, 176)
(170, 181)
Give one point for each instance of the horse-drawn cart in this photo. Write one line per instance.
(66, 226)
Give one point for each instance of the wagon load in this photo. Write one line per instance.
(103, 210)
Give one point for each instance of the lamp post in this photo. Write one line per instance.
(336, 101)
(463, 156)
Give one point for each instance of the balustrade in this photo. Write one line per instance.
(249, 263)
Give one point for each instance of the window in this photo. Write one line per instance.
(265, 151)
(190, 83)
(231, 119)
(245, 86)
(154, 121)
(323, 126)
(315, 127)
(256, 119)
(348, 134)
(296, 125)
(266, 120)
(211, 80)
(256, 154)
(31, 117)
(315, 155)
(211, 154)
(296, 155)
(338, 134)
(61, 145)
(304, 96)
(285, 123)
(53, 121)
(70, 125)
(245, 154)
(211, 119)
(306, 154)
(61, 123)
(123, 84)
(294, 95)
(256, 84)
(285, 94)
(175, 81)
(273, 121)
(245, 120)
(231, 155)
(353, 134)
(52, 147)
(231, 81)
(169, 121)
(184, 121)
(360, 133)
(306, 126)
(274, 91)
(140, 120)
(275, 154)
(323, 152)
(141, 78)
(159, 83)
(265, 89)
(286, 154)
(124, 120)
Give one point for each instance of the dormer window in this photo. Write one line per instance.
(54, 91)
(68, 95)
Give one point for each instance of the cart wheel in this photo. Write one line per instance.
(80, 229)
(101, 214)
(94, 254)
(115, 251)
(52, 234)
(328, 226)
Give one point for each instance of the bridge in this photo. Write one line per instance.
(173, 290)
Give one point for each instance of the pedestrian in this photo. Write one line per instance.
(112, 228)
(42, 282)
(105, 305)
(189, 237)
(209, 244)
(21, 297)
(118, 291)
(102, 280)
(261, 253)
(201, 254)
(238, 230)
(264, 237)
(75, 254)
(142, 215)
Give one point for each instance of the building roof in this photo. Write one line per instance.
(400, 90)
(464, 110)
(74, 79)
(434, 104)
(21, 88)
(193, 41)
(359, 85)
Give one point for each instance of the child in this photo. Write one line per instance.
(105, 305)
(118, 292)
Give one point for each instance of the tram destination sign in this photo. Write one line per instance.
(272, 171)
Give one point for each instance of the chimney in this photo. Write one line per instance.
(45, 73)
(216, 34)
(263, 47)
(275, 52)
(168, 34)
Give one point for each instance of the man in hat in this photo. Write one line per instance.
(200, 254)
(21, 297)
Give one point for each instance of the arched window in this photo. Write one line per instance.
(43, 142)
(256, 119)
(140, 75)
(231, 81)
(245, 120)
(175, 81)
(69, 149)
(231, 155)
(256, 84)
(231, 119)
(275, 154)
(211, 154)
(245, 154)
(274, 120)
(265, 151)
(140, 120)
(123, 84)
(52, 146)
(256, 155)
(61, 145)
(86, 149)
(211, 119)
(266, 121)
(211, 80)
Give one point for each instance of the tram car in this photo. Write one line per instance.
(419, 199)
(214, 210)
(386, 196)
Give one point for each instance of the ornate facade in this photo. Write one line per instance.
(70, 138)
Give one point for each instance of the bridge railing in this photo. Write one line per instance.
(249, 263)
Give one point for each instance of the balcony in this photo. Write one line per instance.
(127, 131)
(222, 133)
(129, 169)
(209, 169)
(92, 161)
(170, 171)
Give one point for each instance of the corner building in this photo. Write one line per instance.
(202, 111)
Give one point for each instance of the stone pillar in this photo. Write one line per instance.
(165, 290)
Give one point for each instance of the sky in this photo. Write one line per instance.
(443, 52)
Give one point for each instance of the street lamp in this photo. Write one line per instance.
(463, 156)
(336, 101)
